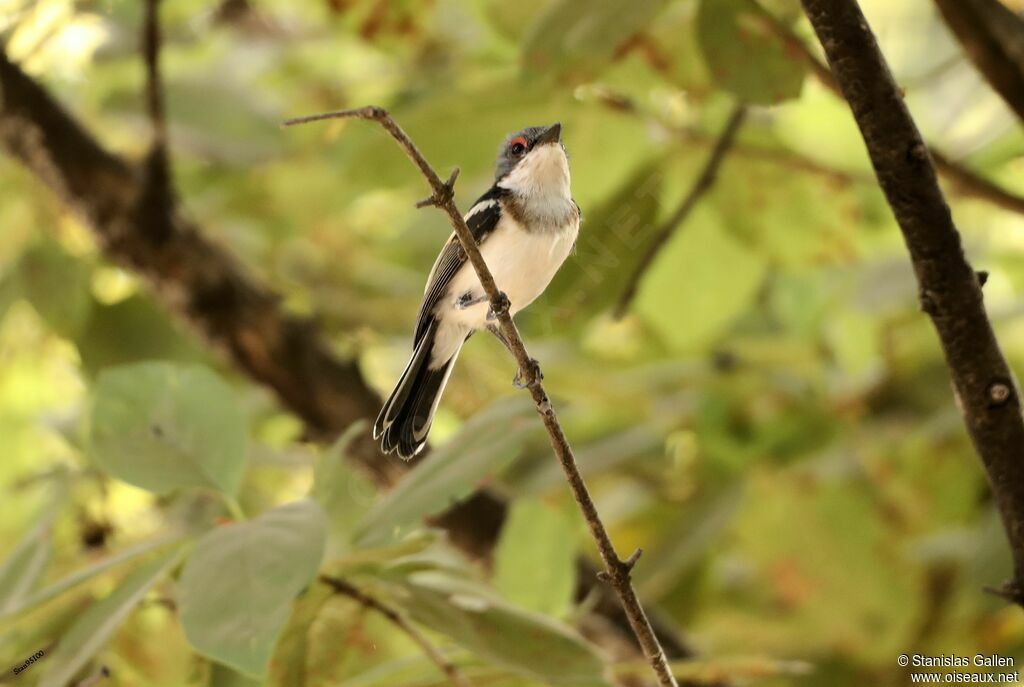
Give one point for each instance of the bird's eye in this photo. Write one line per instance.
(518, 146)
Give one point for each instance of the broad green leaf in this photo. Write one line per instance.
(535, 562)
(488, 441)
(576, 38)
(529, 643)
(93, 628)
(686, 296)
(57, 285)
(130, 331)
(237, 588)
(344, 493)
(744, 56)
(84, 575)
(162, 426)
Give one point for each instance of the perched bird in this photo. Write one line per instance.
(525, 225)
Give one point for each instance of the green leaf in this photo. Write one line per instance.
(488, 441)
(534, 565)
(162, 426)
(130, 331)
(529, 643)
(93, 628)
(686, 297)
(84, 575)
(729, 33)
(576, 38)
(342, 491)
(237, 588)
(57, 285)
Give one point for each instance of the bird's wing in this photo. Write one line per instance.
(481, 219)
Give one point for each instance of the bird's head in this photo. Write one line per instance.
(533, 162)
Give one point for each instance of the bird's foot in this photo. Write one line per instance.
(503, 306)
(533, 376)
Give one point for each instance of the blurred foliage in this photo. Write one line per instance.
(773, 423)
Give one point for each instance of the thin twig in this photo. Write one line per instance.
(702, 185)
(968, 182)
(949, 288)
(401, 622)
(617, 570)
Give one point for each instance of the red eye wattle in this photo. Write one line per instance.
(518, 145)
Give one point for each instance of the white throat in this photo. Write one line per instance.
(540, 183)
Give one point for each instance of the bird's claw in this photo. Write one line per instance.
(503, 306)
(533, 377)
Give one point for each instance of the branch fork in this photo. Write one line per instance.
(438, 199)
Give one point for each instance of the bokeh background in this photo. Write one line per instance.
(772, 420)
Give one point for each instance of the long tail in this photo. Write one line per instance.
(404, 422)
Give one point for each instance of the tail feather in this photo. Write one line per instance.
(404, 422)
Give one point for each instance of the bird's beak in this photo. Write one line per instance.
(553, 134)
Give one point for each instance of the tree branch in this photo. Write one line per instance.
(968, 182)
(705, 180)
(617, 572)
(950, 291)
(444, 665)
(992, 35)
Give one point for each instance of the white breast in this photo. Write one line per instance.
(523, 264)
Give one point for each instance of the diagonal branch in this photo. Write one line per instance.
(705, 180)
(402, 623)
(968, 182)
(950, 291)
(617, 572)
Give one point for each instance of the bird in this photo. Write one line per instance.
(525, 226)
